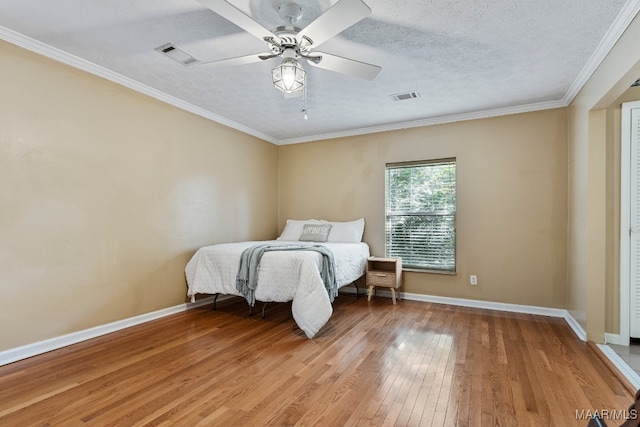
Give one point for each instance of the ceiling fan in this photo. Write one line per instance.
(291, 43)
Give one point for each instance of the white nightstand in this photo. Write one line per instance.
(384, 272)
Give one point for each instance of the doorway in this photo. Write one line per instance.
(630, 223)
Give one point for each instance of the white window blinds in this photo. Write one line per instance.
(421, 214)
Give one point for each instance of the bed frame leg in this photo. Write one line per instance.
(215, 299)
(357, 288)
(250, 310)
(264, 307)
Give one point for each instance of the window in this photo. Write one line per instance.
(421, 214)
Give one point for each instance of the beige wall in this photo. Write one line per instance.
(590, 221)
(106, 193)
(512, 189)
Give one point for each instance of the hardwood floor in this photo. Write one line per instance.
(413, 364)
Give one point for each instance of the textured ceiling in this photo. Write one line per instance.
(466, 58)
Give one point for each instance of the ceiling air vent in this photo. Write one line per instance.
(405, 95)
(177, 54)
(637, 83)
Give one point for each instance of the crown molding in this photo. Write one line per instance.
(622, 21)
(615, 31)
(475, 115)
(56, 54)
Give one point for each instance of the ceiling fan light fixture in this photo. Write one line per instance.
(290, 12)
(289, 76)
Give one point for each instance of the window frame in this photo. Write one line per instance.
(388, 214)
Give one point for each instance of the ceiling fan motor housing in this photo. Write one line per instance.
(287, 39)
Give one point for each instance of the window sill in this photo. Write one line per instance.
(420, 270)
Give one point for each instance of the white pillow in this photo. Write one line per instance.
(293, 230)
(346, 232)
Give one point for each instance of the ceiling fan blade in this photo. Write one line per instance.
(339, 17)
(238, 17)
(240, 60)
(344, 65)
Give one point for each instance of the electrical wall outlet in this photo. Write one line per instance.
(473, 279)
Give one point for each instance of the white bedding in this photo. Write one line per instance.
(282, 276)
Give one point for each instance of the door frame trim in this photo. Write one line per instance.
(625, 209)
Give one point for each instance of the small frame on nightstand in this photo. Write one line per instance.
(384, 272)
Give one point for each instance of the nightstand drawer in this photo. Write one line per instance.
(384, 279)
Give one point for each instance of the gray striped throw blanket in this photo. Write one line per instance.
(247, 277)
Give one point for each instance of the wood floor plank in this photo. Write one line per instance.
(374, 363)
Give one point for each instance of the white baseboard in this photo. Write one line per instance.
(575, 326)
(621, 365)
(29, 350)
(488, 305)
(614, 339)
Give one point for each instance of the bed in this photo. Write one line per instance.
(284, 276)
